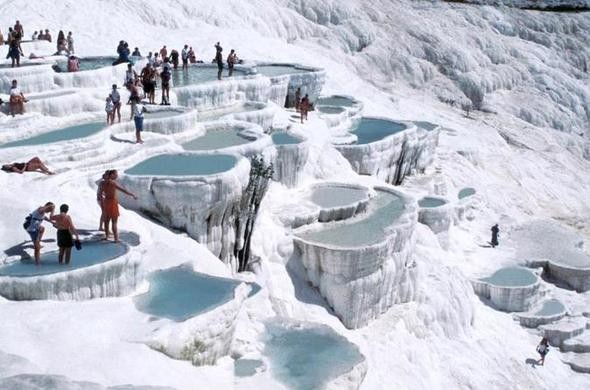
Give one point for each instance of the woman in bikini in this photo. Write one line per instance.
(33, 165)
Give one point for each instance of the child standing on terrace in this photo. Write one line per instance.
(110, 110)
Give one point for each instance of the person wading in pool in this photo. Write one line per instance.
(219, 60)
(33, 226)
(111, 204)
(33, 165)
(184, 54)
(232, 60)
(65, 229)
(165, 75)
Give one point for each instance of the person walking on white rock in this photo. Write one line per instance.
(138, 111)
(495, 234)
(116, 99)
(232, 60)
(543, 350)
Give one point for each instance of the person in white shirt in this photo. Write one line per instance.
(184, 54)
(35, 36)
(138, 111)
(116, 97)
(17, 100)
(110, 110)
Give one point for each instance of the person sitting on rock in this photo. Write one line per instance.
(17, 100)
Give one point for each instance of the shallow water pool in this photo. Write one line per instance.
(184, 165)
(511, 277)
(336, 196)
(331, 110)
(66, 134)
(339, 101)
(198, 75)
(370, 130)
(283, 138)
(465, 192)
(216, 139)
(278, 70)
(308, 358)
(364, 230)
(428, 202)
(92, 252)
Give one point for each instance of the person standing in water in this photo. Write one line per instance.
(184, 56)
(495, 234)
(100, 198)
(232, 59)
(65, 229)
(165, 75)
(219, 60)
(174, 58)
(35, 228)
(111, 204)
(70, 41)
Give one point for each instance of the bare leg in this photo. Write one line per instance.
(68, 253)
(37, 245)
(107, 221)
(61, 255)
(118, 113)
(115, 229)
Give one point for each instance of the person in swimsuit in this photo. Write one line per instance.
(219, 60)
(65, 229)
(111, 203)
(36, 230)
(116, 99)
(100, 198)
(33, 165)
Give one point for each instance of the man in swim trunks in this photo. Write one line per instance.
(111, 203)
(36, 230)
(65, 228)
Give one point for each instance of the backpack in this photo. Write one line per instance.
(28, 220)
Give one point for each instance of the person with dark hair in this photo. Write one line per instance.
(192, 57)
(61, 42)
(165, 75)
(163, 52)
(116, 99)
(148, 79)
(232, 60)
(111, 203)
(184, 54)
(14, 49)
(495, 234)
(100, 197)
(19, 28)
(130, 75)
(17, 100)
(70, 41)
(219, 60)
(136, 52)
(65, 229)
(33, 226)
(174, 55)
(138, 111)
(543, 350)
(304, 107)
(33, 165)
(47, 35)
(73, 64)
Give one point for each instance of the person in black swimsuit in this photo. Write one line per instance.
(33, 165)
(65, 228)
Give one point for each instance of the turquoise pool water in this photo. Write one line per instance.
(246, 367)
(428, 202)
(465, 192)
(278, 70)
(364, 230)
(65, 134)
(92, 252)
(339, 101)
(162, 114)
(550, 308)
(370, 130)
(180, 293)
(184, 165)
(216, 139)
(89, 63)
(330, 110)
(511, 277)
(306, 359)
(282, 138)
(198, 75)
(337, 196)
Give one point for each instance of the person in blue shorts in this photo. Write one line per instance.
(33, 226)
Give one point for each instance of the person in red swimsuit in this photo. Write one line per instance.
(110, 205)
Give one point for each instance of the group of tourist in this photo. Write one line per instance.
(65, 45)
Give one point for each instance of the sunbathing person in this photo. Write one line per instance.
(33, 165)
